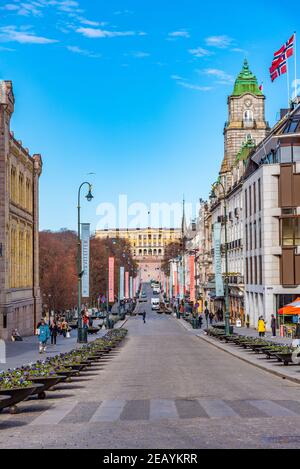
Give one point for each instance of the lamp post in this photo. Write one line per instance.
(82, 334)
(227, 313)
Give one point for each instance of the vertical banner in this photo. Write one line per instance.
(192, 279)
(182, 286)
(171, 282)
(131, 287)
(85, 259)
(111, 280)
(134, 286)
(126, 285)
(122, 274)
(218, 260)
(176, 289)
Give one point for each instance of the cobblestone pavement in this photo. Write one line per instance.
(164, 388)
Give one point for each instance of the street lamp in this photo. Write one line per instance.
(82, 334)
(227, 313)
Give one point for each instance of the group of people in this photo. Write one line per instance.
(46, 331)
(262, 326)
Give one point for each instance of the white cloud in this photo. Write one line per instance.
(222, 77)
(84, 52)
(179, 34)
(191, 86)
(12, 34)
(176, 77)
(102, 33)
(200, 52)
(221, 42)
(140, 55)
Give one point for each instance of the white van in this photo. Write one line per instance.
(155, 304)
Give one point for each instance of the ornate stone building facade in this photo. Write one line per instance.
(148, 247)
(19, 263)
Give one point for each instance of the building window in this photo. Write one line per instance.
(259, 195)
(250, 201)
(286, 154)
(290, 231)
(247, 237)
(259, 234)
(254, 198)
(251, 236)
(248, 116)
(255, 235)
(246, 203)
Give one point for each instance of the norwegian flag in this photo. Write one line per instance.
(279, 64)
(280, 70)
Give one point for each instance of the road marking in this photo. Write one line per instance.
(163, 409)
(108, 411)
(217, 408)
(54, 415)
(271, 409)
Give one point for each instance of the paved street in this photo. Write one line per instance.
(165, 388)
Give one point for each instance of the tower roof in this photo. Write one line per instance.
(246, 82)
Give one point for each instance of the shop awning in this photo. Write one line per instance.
(293, 309)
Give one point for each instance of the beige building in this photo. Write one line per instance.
(246, 128)
(19, 188)
(145, 243)
(148, 247)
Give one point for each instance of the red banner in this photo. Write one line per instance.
(192, 279)
(176, 286)
(111, 280)
(127, 285)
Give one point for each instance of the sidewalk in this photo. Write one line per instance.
(291, 372)
(253, 333)
(23, 353)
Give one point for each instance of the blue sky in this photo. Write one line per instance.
(133, 91)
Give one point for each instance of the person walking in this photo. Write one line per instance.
(64, 327)
(44, 335)
(211, 318)
(144, 317)
(261, 327)
(53, 332)
(273, 325)
(206, 312)
(200, 321)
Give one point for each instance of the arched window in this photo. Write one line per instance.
(248, 116)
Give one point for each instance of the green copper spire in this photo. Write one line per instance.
(245, 151)
(246, 82)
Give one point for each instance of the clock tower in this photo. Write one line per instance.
(246, 108)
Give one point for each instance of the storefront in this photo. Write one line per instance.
(288, 318)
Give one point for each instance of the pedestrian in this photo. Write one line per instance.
(273, 325)
(53, 332)
(44, 335)
(64, 328)
(144, 317)
(206, 312)
(211, 318)
(200, 321)
(261, 327)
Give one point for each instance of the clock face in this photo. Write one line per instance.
(248, 103)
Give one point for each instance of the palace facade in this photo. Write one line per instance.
(20, 305)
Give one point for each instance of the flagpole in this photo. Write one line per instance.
(295, 65)
(288, 82)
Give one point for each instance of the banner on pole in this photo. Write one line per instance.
(85, 259)
(111, 280)
(122, 273)
(131, 287)
(218, 260)
(192, 279)
(126, 285)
